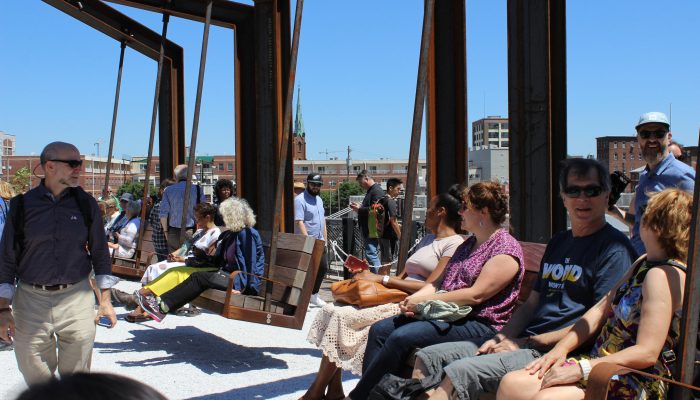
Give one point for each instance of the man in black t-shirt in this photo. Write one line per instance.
(373, 195)
(392, 230)
(579, 267)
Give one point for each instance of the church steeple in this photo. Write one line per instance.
(299, 123)
(299, 137)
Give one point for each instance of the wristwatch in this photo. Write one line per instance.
(385, 280)
(585, 368)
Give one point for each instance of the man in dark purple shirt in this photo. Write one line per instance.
(52, 319)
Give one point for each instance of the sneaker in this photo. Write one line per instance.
(316, 300)
(123, 298)
(149, 304)
(6, 346)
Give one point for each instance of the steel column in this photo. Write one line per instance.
(272, 44)
(447, 142)
(537, 113)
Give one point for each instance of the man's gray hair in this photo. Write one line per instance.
(237, 214)
(180, 172)
(52, 149)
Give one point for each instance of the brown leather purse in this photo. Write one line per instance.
(364, 293)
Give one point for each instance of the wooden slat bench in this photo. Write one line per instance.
(292, 278)
(147, 256)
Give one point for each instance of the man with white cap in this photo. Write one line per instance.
(662, 171)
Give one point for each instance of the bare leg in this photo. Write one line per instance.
(326, 372)
(335, 386)
(419, 369)
(565, 392)
(441, 392)
(519, 385)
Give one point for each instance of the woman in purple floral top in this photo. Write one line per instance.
(485, 273)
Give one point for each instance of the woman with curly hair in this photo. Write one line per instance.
(633, 325)
(485, 273)
(240, 248)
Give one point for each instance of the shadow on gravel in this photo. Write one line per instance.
(203, 350)
(268, 390)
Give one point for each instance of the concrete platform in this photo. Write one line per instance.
(202, 357)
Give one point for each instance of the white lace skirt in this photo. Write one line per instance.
(341, 332)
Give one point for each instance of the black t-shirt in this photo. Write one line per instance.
(575, 273)
(372, 196)
(391, 209)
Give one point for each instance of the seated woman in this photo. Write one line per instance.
(633, 324)
(125, 245)
(485, 273)
(195, 251)
(240, 248)
(110, 215)
(341, 330)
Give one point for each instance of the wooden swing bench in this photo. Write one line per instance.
(292, 279)
(135, 267)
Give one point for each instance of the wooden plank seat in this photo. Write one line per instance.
(292, 278)
(132, 267)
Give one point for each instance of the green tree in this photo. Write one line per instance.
(348, 189)
(20, 181)
(136, 189)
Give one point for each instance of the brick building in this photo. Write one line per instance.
(490, 131)
(621, 153)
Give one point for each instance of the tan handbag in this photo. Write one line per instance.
(363, 293)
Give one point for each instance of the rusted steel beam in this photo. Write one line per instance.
(537, 113)
(418, 107)
(272, 44)
(691, 302)
(447, 142)
(224, 13)
(118, 26)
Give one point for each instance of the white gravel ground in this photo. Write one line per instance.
(203, 357)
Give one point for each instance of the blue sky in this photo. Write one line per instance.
(357, 71)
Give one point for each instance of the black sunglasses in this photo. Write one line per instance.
(658, 134)
(574, 192)
(71, 163)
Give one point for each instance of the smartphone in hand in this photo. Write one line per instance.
(104, 321)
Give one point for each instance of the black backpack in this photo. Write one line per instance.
(17, 216)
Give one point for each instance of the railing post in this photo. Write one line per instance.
(348, 240)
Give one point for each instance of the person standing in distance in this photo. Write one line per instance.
(373, 195)
(309, 220)
(51, 256)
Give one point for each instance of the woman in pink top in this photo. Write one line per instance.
(485, 273)
(340, 331)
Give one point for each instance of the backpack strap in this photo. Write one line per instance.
(199, 193)
(17, 217)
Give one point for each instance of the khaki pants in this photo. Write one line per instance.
(53, 330)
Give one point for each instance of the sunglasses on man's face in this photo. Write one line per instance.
(658, 134)
(71, 163)
(574, 192)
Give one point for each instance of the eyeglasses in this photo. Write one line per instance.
(574, 192)
(71, 163)
(658, 134)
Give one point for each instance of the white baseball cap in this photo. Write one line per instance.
(653, 117)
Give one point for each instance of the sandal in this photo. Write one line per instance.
(190, 311)
(135, 318)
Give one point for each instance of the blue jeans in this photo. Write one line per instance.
(372, 253)
(391, 341)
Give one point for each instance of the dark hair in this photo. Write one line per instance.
(223, 183)
(205, 209)
(86, 386)
(363, 174)
(491, 196)
(451, 201)
(393, 182)
(580, 167)
(165, 183)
